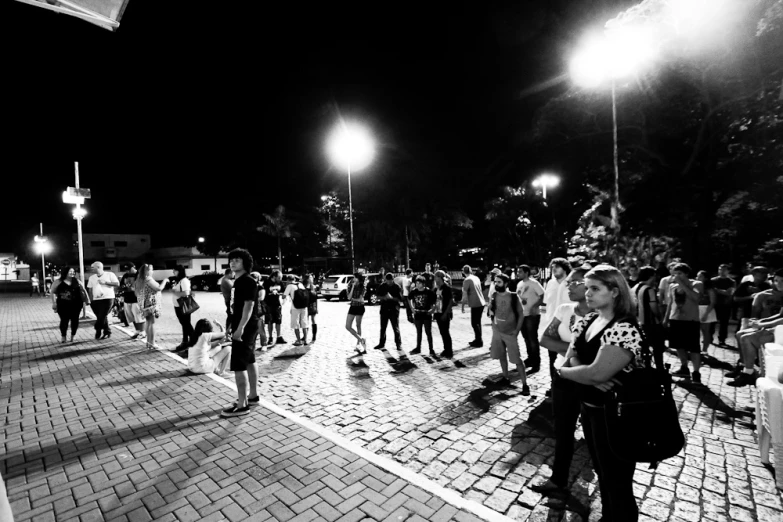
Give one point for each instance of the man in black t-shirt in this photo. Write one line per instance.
(244, 328)
(391, 297)
(724, 291)
(273, 299)
(429, 277)
(131, 302)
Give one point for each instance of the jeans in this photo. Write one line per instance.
(393, 317)
(656, 337)
(476, 312)
(69, 314)
(423, 320)
(615, 476)
(407, 302)
(443, 328)
(101, 307)
(723, 311)
(530, 335)
(566, 405)
(187, 328)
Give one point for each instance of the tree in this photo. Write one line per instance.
(278, 226)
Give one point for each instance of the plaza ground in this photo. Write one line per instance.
(109, 430)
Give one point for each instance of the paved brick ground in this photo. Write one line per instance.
(436, 418)
(106, 430)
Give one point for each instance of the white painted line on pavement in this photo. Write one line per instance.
(447, 495)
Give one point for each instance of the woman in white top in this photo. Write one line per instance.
(181, 288)
(148, 293)
(206, 355)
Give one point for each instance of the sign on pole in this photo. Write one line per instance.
(79, 192)
(6, 262)
(74, 200)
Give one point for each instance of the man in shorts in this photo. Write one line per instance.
(273, 293)
(682, 320)
(768, 309)
(507, 315)
(244, 328)
(131, 302)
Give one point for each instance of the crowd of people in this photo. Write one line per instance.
(594, 321)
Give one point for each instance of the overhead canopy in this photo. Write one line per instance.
(105, 13)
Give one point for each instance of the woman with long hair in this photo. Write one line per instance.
(443, 314)
(312, 306)
(606, 343)
(205, 354)
(148, 293)
(356, 290)
(707, 315)
(67, 300)
(181, 288)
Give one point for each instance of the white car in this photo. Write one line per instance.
(336, 286)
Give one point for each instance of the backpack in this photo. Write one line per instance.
(301, 297)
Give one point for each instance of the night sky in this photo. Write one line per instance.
(225, 108)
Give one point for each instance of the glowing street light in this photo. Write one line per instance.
(545, 181)
(42, 246)
(350, 147)
(200, 239)
(617, 53)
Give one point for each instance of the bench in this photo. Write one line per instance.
(769, 404)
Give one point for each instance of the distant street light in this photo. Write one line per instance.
(616, 54)
(350, 148)
(42, 246)
(200, 239)
(545, 181)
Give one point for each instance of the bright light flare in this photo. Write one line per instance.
(618, 53)
(79, 213)
(350, 147)
(546, 180)
(43, 247)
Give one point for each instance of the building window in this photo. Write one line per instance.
(171, 264)
(224, 266)
(98, 243)
(205, 267)
(120, 243)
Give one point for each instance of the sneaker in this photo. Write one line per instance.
(379, 347)
(476, 344)
(253, 401)
(736, 372)
(503, 382)
(106, 335)
(746, 379)
(696, 377)
(297, 343)
(547, 488)
(525, 390)
(280, 340)
(682, 372)
(72, 336)
(446, 355)
(235, 411)
(416, 351)
(64, 339)
(304, 343)
(136, 335)
(97, 335)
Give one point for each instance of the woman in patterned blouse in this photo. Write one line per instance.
(605, 343)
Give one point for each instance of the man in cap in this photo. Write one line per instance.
(101, 286)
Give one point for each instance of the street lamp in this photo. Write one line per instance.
(350, 148)
(42, 246)
(545, 181)
(616, 54)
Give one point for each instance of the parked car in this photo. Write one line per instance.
(208, 281)
(336, 286)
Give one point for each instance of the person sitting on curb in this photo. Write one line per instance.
(768, 306)
(206, 355)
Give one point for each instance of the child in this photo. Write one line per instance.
(206, 355)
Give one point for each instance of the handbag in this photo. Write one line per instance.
(642, 421)
(187, 304)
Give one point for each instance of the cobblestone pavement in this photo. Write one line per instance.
(107, 430)
(438, 419)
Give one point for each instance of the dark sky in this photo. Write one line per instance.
(225, 107)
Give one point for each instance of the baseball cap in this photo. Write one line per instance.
(97, 264)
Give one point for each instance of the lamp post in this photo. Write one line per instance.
(351, 148)
(327, 204)
(545, 181)
(42, 246)
(616, 54)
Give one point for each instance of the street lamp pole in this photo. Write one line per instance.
(350, 219)
(43, 263)
(615, 208)
(79, 228)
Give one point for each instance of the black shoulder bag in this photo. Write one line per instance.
(642, 420)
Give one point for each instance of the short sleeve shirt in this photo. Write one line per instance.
(566, 314)
(723, 283)
(621, 334)
(393, 291)
(245, 289)
(273, 291)
(530, 292)
(126, 287)
(99, 291)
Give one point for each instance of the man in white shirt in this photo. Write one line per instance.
(299, 297)
(474, 298)
(556, 291)
(101, 287)
(404, 282)
(531, 294)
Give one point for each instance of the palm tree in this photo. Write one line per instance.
(279, 226)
